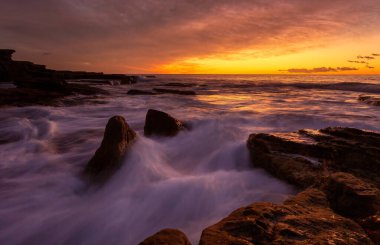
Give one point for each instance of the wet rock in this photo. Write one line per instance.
(167, 237)
(173, 91)
(304, 157)
(161, 124)
(351, 196)
(342, 162)
(284, 158)
(140, 92)
(370, 100)
(118, 138)
(303, 219)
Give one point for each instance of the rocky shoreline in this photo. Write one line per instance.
(34, 84)
(337, 171)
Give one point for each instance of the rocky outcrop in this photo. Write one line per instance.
(303, 219)
(118, 138)
(46, 92)
(304, 157)
(344, 163)
(161, 124)
(370, 100)
(167, 237)
(11, 70)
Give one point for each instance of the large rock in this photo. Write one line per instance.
(304, 219)
(161, 124)
(342, 162)
(167, 237)
(118, 137)
(305, 157)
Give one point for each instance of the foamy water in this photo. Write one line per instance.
(187, 182)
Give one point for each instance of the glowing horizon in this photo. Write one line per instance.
(200, 37)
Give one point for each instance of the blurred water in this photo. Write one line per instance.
(186, 182)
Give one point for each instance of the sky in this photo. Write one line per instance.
(196, 36)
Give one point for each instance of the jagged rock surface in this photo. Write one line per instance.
(118, 137)
(303, 219)
(167, 237)
(342, 162)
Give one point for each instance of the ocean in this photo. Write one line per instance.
(187, 182)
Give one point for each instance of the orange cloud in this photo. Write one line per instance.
(142, 36)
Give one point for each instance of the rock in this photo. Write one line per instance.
(21, 70)
(27, 97)
(167, 237)
(351, 196)
(343, 162)
(371, 225)
(284, 158)
(6, 54)
(108, 158)
(303, 219)
(173, 91)
(304, 157)
(370, 100)
(47, 84)
(161, 124)
(140, 92)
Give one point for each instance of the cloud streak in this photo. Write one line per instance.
(115, 35)
(320, 70)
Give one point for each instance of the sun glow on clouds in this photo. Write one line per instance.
(329, 59)
(200, 36)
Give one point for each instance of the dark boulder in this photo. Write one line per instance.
(303, 219)
(161, 124)
(167, 237)
(108, 158)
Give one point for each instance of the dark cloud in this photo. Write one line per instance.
(375, 54)
(115, 35)
(357, 61)
(347, 69)
(320, 69)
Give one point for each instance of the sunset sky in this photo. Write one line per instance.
(197, 36)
